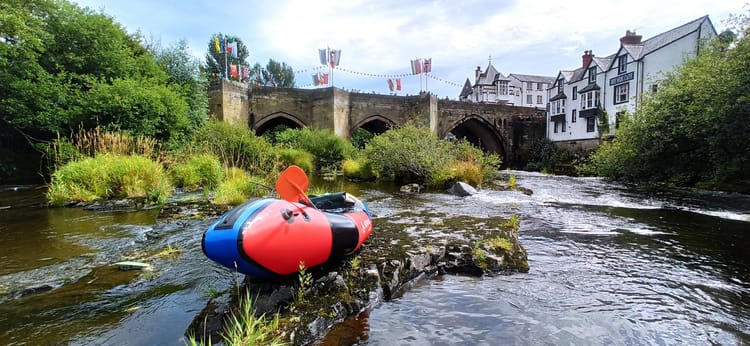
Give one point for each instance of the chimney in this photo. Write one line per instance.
(630, 38)
(476, 74)
(587, 57)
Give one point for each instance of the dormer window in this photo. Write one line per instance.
(592, 75)
(559, 86)
(622, 64)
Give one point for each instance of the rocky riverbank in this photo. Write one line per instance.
(394, 257)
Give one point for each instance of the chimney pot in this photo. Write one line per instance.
(630, 38)
(586, 57)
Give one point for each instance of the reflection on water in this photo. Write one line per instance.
(609, 264)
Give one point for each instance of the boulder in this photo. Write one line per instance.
(462, 189)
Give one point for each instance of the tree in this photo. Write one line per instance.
(277, 74)
(185, 73)
(218, 60)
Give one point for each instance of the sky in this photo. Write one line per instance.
(379, 38)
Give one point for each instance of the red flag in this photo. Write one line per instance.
(398, 84)
(324, 80)
(427, 68)
(233, 71)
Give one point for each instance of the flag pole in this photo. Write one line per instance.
(226, 67)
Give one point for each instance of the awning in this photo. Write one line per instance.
(588, 88)
(592, 112)
(559, 96)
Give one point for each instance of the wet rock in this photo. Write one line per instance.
(462, 189)
(411, 188)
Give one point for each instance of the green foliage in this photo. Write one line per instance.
(202, 170)
(109, 176)
(245, 328)
(415, 154)
(186, 77)
(298, 157)
(514, 223)
(512, 182)
(361, 137)
(305, 280)
(235, 147)
(358, 169)
(55, 54)
(479, 255)
(237, 187)
(693, 129)
(549, 158)
(500, 243)
(328, 149)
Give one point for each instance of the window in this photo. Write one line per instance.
(622, 64)
(560, 86)
(555, 126)
(592, 75)
(557, 107)
(654, 87)
(575, 92)
(574, 116)
(538, 99)
(590, 100)
(621, 93)
(539, 86)
(502, 87)
(590, 124)
(529, 85)
(529, 99)
(562, 125)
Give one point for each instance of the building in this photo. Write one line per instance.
(521, 90)
(613, 85)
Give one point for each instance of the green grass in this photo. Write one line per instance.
(109, 176)
(202, 170)
(237, 187)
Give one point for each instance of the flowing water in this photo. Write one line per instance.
(610, 264)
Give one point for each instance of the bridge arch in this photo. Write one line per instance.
(272, 120)
(480, 133)
(375, 124)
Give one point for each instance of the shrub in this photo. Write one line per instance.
(299, 157)
(109, 176)
(237, 187)
(200, 170)
(407, 154)
(328, 148)
(359, 169)
(235, 147)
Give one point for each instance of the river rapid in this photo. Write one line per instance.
(609, 264)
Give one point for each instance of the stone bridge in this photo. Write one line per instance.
(507, 130)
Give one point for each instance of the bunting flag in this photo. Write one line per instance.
(316, 79)
(217, 45)
(222, 44)
(390, 84)
(427, 65)
(245, 72)
(232, 47)
(233, 70)
(335, 57)
(416, 66)
(398, 84)
(324, 54)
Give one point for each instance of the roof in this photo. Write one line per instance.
(532, 78)
(665, 38)
(466, 91)
(490, 75)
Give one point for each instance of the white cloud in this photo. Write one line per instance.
(380, 37)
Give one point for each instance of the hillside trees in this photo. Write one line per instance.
(695, 128)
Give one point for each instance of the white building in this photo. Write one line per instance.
(617, 82)
(492, 86)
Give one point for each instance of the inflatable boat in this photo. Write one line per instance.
(272, 237)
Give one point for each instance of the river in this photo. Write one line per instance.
(609, 264)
